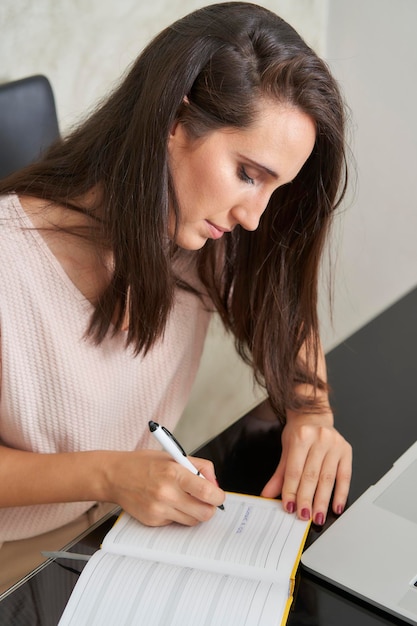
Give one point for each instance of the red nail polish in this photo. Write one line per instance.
(319, 519)
(340, 509)
(290, 507)
(305, 514)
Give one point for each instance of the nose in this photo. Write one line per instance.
(248, 214)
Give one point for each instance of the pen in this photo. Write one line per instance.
(174, 448)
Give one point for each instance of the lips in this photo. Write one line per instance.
(216, 231)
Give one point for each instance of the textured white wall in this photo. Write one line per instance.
(84, 46)
(371, 46)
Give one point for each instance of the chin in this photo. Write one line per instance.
(190, 243)
(191, 248)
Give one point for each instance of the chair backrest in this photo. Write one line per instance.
(28, 122)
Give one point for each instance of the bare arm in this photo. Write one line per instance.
(148, 484)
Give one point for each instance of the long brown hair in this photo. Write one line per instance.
(209, 70)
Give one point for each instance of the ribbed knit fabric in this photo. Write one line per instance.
(61, 393)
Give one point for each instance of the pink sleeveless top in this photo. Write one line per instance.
(59, 392)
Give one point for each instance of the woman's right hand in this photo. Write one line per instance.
(156, 490)
(148, 484)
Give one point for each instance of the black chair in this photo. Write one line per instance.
(28, 122)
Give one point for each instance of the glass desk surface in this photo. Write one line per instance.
(373, 376)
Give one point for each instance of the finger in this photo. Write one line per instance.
(200, 489)
(294, 469)
(195, 513)
(325, 485)
(174, 504)
(309, 481)
(190, 509)
(206, 468)
(343, 478)
(169, 515)
(324, 468)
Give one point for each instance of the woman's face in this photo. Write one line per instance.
(227, 177)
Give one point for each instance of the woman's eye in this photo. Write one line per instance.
(245, 177)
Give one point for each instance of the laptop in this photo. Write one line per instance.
(371, 550)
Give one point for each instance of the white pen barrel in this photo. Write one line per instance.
(170, 447)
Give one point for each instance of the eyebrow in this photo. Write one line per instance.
(261, 166)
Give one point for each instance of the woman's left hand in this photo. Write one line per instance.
(315, 459)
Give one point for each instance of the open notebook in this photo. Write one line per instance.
(371, 550)
(237, 568)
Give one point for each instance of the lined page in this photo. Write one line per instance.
(252, 533)
(116, 589)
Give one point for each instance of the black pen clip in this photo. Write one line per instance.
(154, 426)
(177, 443)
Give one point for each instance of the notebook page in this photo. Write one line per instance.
(252, 533)
(121, 590)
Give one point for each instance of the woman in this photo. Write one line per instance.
(208, 179)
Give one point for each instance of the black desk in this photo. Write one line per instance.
(373, 376)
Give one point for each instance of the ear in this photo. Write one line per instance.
(175, 137)
(185, 102)
(174, 128)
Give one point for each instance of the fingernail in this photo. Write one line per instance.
(319, 519)
(340, 509)
(290, 507)
(305, 514)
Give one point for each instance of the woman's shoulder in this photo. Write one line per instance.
(9, 205)
(24, 208)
